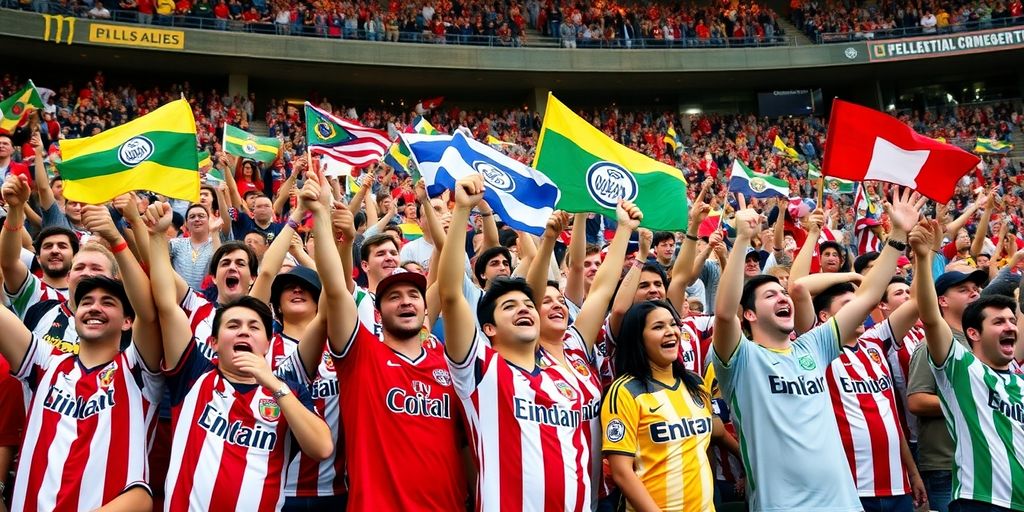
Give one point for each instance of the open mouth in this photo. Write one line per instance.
(671, 344)
(242, 347)
(784, 312)
(407, 314)
(232, 282)
(1008, 343)
(524, 322)
(94, 321)
(556, 316)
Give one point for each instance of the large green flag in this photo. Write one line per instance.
(593, 172)
(241, 143)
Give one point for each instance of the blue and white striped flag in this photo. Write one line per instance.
(521, 197)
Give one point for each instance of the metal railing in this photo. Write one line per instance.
(897, 33)
(341, 32)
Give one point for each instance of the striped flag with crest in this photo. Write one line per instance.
(342, 140)
(867, 215)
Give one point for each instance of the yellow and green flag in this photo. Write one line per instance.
(156, 152)
(983, 145)
(780, 147)
(15, 108)
(241, 143)
(593, 172)
(204, 159)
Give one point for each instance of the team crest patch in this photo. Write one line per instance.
(566, 390)
(328, 362)
(443, 377)
(250, 145)
(615, 430)
(607, 183)
(758, 185)
(875, 356)
(106, 376)
(807, 363)
(580, 366)
(269, 410)
(135, 151)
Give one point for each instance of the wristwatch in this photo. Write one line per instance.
(281, 393)
(896, 244)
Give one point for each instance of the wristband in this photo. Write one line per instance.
(119, 247)
(7, 225)
(292, 224)
(896, 244)
(690, 237)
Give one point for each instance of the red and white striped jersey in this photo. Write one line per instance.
(200, 316)
(899, 364)
(307, 477)
(87, 429)
(403, 436)
(696, 334)
(33, 291)
(527, 434)
(584, 376)
(231, 443)
(864, 402)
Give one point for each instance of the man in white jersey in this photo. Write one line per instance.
(776, 387)
(91, 411)
(525, 422)
(981, 398)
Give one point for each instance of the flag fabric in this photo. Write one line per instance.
(867, 215)
(813, 172)
(15, 108)
(241, 143)
(429, 104)
(398, 155)
(672, 140)
(342, 140)
(983, 145)
(594, 172)
(411, 231)
(781, 148)
(864, 144)
(215, 177)
(498, 143)
(744, 181)
(832, 185)
(156, 152)
(712, 222)
(204, 159)
(522, 197)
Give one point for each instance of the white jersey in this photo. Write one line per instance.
(864, 401)
(527, 434)
(87, 429)
(899, 354)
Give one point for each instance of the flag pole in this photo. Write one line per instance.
(821, 191)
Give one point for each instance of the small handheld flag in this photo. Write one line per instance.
(19, 105)
(342, 140)
(244, 144)
(744, 181)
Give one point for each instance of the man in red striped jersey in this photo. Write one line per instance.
(234, 418)
(525, 421)
(85, 435)
(864, 400)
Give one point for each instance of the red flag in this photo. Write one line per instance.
(864, 144)
(429, 104)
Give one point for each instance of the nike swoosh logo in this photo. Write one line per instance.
(394, 364)
(774, 363)
(655, 409)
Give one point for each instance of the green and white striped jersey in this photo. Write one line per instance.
(984, 412)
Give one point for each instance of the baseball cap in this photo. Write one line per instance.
(108, 284)
(751, 251)
(955, 277)
(298, 274)
(399, 276)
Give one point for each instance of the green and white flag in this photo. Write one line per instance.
(832, 185)
(751, 184)
(241, 143)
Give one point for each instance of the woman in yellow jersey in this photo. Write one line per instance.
(657, 418)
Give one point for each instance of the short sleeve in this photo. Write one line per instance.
(879, 335)
(37, 359)
(466, 374)
(359, 332)
(52, 216)
(823, 341)
(620, 420)
(955, 362)
(727, 372)
(25, 296)
(301, 392)
(192, 301)
(190, 368)
(293, 367)
(921, 378)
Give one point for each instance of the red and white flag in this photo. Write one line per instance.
(429, 104)
(865, 144)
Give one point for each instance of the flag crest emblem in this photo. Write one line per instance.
(608, 183)
(135, 151)
(107, 375)
(269, 410)
(325, 130)
(566, 390)
(495, 177)
(18, 108)
(758, 184)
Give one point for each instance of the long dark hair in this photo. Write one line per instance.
(631, 356)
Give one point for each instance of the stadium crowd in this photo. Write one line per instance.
(291, 342)
(830, 21)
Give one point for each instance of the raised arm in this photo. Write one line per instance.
(978, 243)
(42, 180)
(14, 344)
(730, 287)
(593, 310)
(537, 275)
(15, 192)
(937, 332)
(284, 193)
(274, 257)
(803, 290)
(177, 333)
(684, 272)
(340, 306)
(802, 261)
(904, 212)
(955, 225)
(146, 334)
(576, 254)
(459, 321)
(490, 228)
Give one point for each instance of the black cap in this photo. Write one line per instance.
(833, 244)
(307, 278)
(108, 284)
(400, 275)
(955, 277)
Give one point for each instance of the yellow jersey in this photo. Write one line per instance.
(667, 431)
